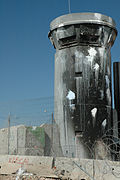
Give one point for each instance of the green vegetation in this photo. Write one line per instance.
(39, 133)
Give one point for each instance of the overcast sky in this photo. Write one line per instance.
(26, 54)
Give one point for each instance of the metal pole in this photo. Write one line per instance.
(8, 133)
(52, 130)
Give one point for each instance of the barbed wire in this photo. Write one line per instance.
(37, 112)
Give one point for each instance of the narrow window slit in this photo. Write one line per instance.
(78, 74)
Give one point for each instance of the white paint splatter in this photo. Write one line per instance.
(94, 111)
(71, 95)
(104, 123)
(96, 67)
(34, 128)
(92, 52)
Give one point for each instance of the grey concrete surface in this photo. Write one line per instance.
(36, 141)
(62, 168)
(21, 140)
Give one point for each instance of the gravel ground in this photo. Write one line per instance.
(14, 177)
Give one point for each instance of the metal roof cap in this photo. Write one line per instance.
(82, 18)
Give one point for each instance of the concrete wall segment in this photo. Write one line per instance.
(69, 168)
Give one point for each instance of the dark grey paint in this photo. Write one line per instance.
(116, 70)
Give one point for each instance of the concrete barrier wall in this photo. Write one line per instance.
(62, 168)
(34, 141)
(4, 141)
(22, 140)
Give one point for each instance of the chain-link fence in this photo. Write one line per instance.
(29, 128)
(26, 126)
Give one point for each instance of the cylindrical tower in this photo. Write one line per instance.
(82, 79)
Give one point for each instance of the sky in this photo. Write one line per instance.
(26, 54)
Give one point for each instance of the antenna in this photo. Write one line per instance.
(69, 6)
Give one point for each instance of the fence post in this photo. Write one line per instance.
(52, 130)
(8, 133)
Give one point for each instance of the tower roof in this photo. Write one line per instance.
(82, 18)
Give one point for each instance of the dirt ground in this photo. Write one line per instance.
(14, 177)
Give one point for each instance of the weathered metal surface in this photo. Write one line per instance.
(79, 18)
(116, 70)
(82, 79)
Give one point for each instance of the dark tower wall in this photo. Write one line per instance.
(116, 71)
(82, 79)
